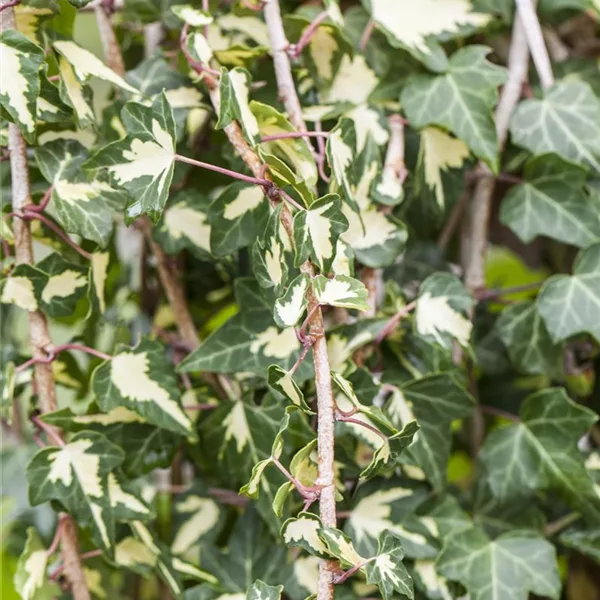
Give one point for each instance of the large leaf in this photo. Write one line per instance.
(552, 202)
(529, 344)
(570, 305)
(20, 85)
(461, 99)
(566, 121)
(142, 162)
(512, 566)
(435, 401)
(142, 380)
(83, 205)
(76, 475)
(248, 342)
(540, 453)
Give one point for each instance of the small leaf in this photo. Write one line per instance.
(282, 382)
(31, 581)
(461, 100)
(441, 307)
(387, 571)
(340, 546)
(20, 88)
(342, 291)
(481, 564)
(268, 255)
(143, 161)
(317, 230)
(234, 91)
(552, 202)
(566, 121)
(569, 304)
(192, 16)
(141, 379)
(291, 306)
(303, 532)
(262, 591)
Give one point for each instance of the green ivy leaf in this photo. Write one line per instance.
(550, 203)
(461, 100)
(237, 217)
(435, 401)
(569, 304)
(21, 63)
(529, 344)
(317, 230)
(143, 161)
(386, 569)
(481, 564)
(566, 121)
(142, 380)
(76, 475)
(540, 453)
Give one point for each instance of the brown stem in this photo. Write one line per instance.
(112, 51)
(309, 493)
(498, 412)
(366, 35)
(340, 417)
(308, 33)
(84, 556)
(294, 134)
(557, 526)
(10, 4)
(394, 321)
(206, 406)
(48, 430)
(491, 294)
(38, 328)
(43, 204)
(223, 171)
(53, 352)
(56, 540)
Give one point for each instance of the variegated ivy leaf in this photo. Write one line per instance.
(375, 237)
(540, 453)
(294, 152)
(87, 65)
(386, 569)
(252, 488)
(143, 161)
(316, 231)
(146, 447)
(192, 16)
(75, 94)
(569, 304)
(417, 27)
(20, 84)
(528, 342)
(342, 291)
(461, 99)
(237, 217)
(566, 121)
(234, 91)
(439, 153)
(441, 307)
(435, 401)
(31, 581)
(429, 581)
(390, 507)
(326, 48)
(200, 518)
(344, 90)
(291, 306)
(30, 17)
(552, 202)
(340, 546)
(341, 152)
(249, 341)
(126, 500)
(303, 532)
(171, 569)
(65, 284)
(134, 555)
(76, 475)
(23, 287)
(50, 107)
(97, 279)
(184, 225)
(261, 591)
(269, 255)
(344, 341)
(283, 383)
(142, 379)
(389, 451)
(481, 564)
(199, 48)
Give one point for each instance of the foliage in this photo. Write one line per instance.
(188, 234)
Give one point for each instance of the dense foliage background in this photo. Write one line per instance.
(390, 249)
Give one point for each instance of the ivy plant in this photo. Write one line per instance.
(300, 299)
